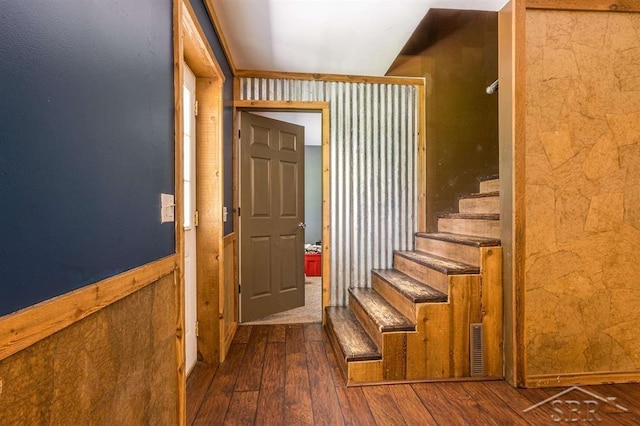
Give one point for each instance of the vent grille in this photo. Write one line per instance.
(477, 359)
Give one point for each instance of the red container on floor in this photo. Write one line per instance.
(313, 264)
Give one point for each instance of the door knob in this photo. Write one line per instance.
(302, 225)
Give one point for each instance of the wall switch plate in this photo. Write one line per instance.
(167, 208)
(225, 214)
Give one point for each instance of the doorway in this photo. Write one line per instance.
(311, 310)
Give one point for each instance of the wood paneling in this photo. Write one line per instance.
(115, 366)
(30, 325)
(229, 295)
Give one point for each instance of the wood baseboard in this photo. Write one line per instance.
(582, 379)
(23, 328)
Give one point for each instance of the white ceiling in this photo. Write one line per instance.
(353, 37)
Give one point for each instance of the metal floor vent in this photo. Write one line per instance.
(477, 359)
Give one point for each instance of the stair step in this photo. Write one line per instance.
(481, 225)
(440, 264)
(412, 289)
(482, 202)
(490, 184)
(354, 342)
(467, 240)
(385, 317)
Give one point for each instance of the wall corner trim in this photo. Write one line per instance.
(27, 326)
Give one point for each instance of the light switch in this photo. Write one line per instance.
(225, 214)
(167, 208)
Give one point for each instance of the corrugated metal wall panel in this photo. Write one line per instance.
(373, 138)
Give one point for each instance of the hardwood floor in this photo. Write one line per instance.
(288, 375)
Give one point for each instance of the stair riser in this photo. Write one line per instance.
(431, 277)
(405, 306)
(340, 357)
(490, 186)
(459, 252)
(474, 227)
(481, 205)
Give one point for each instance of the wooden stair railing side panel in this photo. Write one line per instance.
(464, 296)
(492, 310)
(429, 349)
(394, 355)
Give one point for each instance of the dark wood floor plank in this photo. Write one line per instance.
(442, 410)
(197, 386)
(465, 403)
(242, 409)
(242, 334)
(250, 374)
(313, 332)
(412, 409)
(517, 401)
(326, 408)
(216, 402)
(276, 333)
(499, 411)
(355, 408)
(298, 409)
(383, 406)
(271, 400)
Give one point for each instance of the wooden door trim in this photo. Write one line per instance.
(289, 106)
(586, 5)
(191, 46)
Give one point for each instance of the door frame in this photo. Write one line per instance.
(191, 46)
(288, 106)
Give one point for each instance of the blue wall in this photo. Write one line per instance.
(86, 142)
(227, 119)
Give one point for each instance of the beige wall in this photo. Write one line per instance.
(582, 254)
(115, 367)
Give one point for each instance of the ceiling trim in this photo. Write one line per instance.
(405, 81)
(223, 40)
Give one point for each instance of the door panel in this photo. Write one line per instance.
(272, 194)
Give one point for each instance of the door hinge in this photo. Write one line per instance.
(239, 288)
(238, 133)
(195, 109)
(197, 329)
(238, 211)
(196, 218)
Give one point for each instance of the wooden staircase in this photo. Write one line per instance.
(438, 313)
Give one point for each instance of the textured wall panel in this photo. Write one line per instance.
(373, 170)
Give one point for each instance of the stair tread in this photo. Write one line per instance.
(440, 264)
(475, 216)
(468, 240)
(385, 316)
(412, 289)
(480, 195)
(355, 343)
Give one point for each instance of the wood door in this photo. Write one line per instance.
(271, 216)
